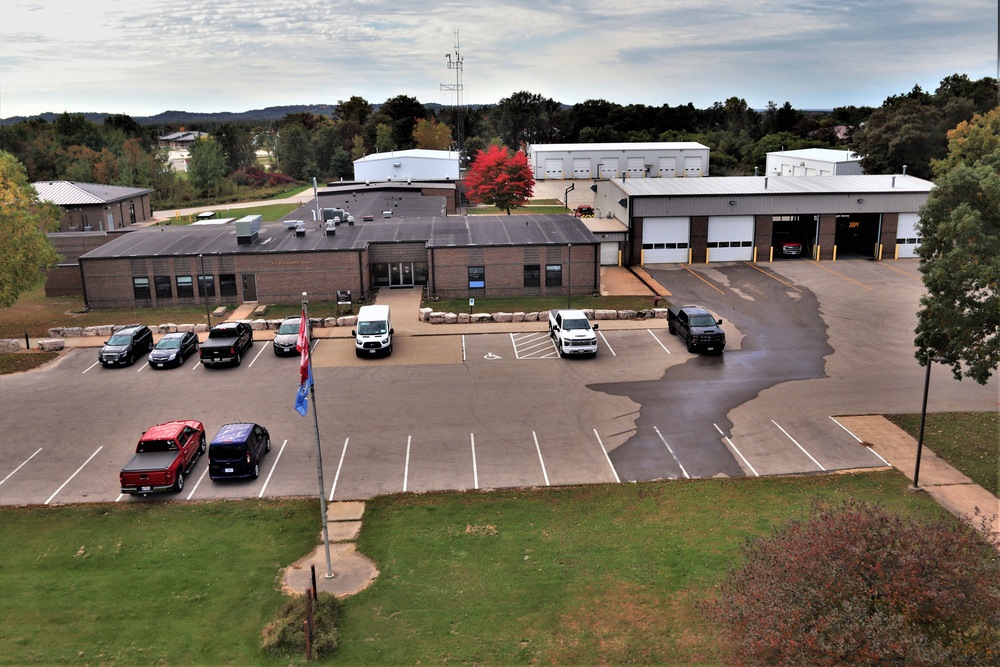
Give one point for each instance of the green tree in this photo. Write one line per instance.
(24, 220)
(207, 168)
(431, 135)
(959, 318)
(383, 139)
(859, 585)
(500, 178)
(236, 143)
(294, 151)
(356, 109)
(358, 149)
(405, 112)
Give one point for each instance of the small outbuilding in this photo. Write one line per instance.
(95, 207)
(408, 165)
(813, 162)
(680, 159)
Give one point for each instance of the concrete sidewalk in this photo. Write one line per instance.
(950, 488)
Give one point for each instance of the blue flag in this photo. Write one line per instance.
(302, 397)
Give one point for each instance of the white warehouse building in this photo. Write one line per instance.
(680, 159)
(416, 164)
(813, 162)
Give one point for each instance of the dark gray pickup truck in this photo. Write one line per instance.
(226, 344)
(697, 327)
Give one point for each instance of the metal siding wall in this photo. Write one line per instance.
(664, 206)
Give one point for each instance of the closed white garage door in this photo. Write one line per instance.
(554, 168)
(636, 167)
(730, 238)
(581, 167)
(609, 253)
(907, 240)
(608, 167)
(692, 166)
(668, 167)
(665, 240)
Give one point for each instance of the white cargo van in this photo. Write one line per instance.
(374, 333)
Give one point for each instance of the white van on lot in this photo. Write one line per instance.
(374, 333)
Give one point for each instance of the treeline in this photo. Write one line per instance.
(908, 129)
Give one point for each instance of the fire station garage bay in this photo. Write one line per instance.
(747, 218)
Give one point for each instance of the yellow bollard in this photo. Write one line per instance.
(835, 253)
(707, 252)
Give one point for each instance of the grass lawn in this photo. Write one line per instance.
(531, 304)
(269, 212)
(602, 574)
(970, 441)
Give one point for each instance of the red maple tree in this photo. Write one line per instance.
(500, 178)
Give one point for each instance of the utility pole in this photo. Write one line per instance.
(456, 64)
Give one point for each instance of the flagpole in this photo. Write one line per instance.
(319, 450)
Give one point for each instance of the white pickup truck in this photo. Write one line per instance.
(572, 332)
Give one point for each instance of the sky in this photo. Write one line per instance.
(144, 57)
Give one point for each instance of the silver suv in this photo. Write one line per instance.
(126, 345)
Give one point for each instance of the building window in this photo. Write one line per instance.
(185, 286)
(163, 289)
(227, 284)
(140, 287)
(206, 286)
(477, 277)
(532, 275)
(553, 275)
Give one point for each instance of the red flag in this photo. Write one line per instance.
(302, 345)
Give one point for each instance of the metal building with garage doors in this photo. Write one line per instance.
(660, 159)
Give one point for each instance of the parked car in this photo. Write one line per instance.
(126, 345)
(173, 349)
(236, 451)
(287, 335)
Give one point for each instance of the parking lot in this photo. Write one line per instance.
(459, 409)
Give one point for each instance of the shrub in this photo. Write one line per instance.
(858, 585)
(285, 634)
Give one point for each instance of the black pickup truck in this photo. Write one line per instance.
(697, 327)
(226, 344)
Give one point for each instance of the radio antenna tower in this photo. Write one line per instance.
(456, 64)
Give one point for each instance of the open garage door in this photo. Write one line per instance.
(581, 167)
(554, 168)
(665, 240)
(857, 234)
(907, 240)
(730, 238)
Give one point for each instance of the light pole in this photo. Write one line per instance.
(569, 276)
(204, 290)
(923, 420)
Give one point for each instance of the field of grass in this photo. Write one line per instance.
(269, 212)
(531, 304)
(605, 574)
(970, 441)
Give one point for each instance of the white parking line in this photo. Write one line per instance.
(406, 467)
(198, 483)
(539, 450)
(799, 446)
(475, 469)
(738, 452)
(339, 466)
(145, 365)
(263, 349)
(271, 472)
(679, 464)
(463, 348)
(658, 341)
(607, 458)
(96, 363)
(868, 447)
(20, 466)
(610, 349)
(74, 474)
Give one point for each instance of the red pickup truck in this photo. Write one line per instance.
(165, 454)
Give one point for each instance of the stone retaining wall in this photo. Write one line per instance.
(432, 316)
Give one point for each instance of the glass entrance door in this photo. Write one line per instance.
(401, 274)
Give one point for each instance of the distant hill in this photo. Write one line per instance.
(189, 117)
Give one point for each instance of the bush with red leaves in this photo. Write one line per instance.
(858, 585)
(258, 178)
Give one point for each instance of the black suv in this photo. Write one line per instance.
(126, 345)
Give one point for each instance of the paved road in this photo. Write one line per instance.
(807, 342)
